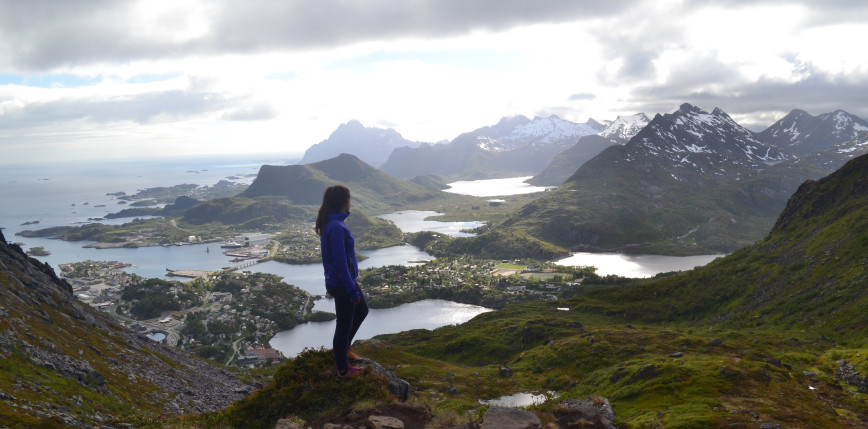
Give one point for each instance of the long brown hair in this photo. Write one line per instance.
(334, 198)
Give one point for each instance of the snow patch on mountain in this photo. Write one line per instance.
(540, 132)
(709, 143)
(623, 128)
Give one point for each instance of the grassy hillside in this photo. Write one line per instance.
(808, 273)
(63, 364)
(771, 333)
(774, 333)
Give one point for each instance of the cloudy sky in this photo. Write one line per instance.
(95, 79)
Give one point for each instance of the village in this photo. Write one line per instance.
(229, 316)
(488, 283)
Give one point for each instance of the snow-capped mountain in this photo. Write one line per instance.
(623, 128)
(689, 181)
(371, 145)
(707, 143)
(514, 146)
(518, 132)
(801, 133)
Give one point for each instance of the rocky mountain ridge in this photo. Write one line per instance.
(707, 143)
(801, 133)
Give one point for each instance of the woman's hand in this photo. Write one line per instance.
(357, 301)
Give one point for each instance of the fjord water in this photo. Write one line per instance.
(72, 193)
(415, 221)
(426, 314)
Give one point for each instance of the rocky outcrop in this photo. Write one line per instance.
(847, 373)
(509, 418)
(593, 412)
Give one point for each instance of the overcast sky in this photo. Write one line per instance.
(125, 79)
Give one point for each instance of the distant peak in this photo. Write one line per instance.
(687, 107)
(352, 123)
(798, 112)
(513, 120)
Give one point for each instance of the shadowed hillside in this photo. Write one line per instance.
(372, 190)
(63, 364)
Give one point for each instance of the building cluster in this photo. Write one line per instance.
(97, 283)
(531, 281)
(298, 244)
(259, 355)
(248, 309)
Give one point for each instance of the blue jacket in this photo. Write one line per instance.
(338, 250)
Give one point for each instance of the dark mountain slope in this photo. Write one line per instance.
(567, 162)
(64, 364)
(808, 273)
(372, 190)
(676, 188)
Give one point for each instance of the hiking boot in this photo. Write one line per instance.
(351, 372)
(351, 355)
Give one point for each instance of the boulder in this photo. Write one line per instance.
(593, 412)
(287, 424)
(398, 387)
(384, 422)
(504, 371)
(509, 418)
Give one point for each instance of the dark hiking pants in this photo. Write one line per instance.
(349, 317)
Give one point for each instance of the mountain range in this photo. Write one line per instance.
(689, 182)
(800, 133)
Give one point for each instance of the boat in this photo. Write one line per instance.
(231, 245)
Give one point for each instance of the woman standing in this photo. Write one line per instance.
(341, 275)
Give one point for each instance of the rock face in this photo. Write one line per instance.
(398, 387)
(593, 412)
(44, 329)
(509, 418)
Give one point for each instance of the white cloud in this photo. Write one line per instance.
(265, 76)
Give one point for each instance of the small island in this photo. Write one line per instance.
(38, 251)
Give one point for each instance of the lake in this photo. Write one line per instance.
(636, 265)
(414, 221)
(426, 314)
(494, 187)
